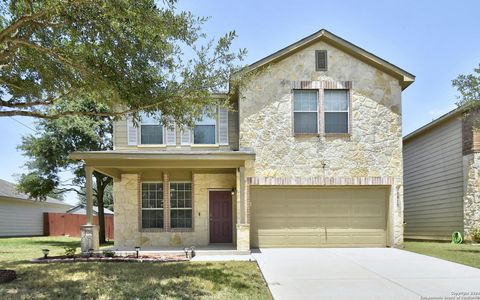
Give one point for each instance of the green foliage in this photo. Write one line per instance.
(107, 197)
(128, 55)
(70, 251)
(48, 152)
(469, 88)
(476, 235)
(108, 253)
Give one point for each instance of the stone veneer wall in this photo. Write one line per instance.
(373, 149)
(471, 198)
(126, 193)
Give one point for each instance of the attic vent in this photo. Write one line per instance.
(321, 60)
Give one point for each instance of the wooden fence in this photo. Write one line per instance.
(55, 224)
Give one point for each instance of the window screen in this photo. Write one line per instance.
(305, 111)
(336, 111)
(151, 131)
(205, 130)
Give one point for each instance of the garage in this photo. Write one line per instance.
(318, 217)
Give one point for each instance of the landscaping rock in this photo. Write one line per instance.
(7, 275)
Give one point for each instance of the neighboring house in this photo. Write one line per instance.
(310, 156)
(22, 216)
(442, 178)
(81, 210)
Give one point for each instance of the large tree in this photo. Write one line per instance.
(469, 88)
(129, 55)
(48, 152)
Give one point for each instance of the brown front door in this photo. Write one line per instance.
(220, 217)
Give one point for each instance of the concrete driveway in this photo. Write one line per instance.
(371, 273)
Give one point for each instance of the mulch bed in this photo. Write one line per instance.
(143, 258)
(7, 275)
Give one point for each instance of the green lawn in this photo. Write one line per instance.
(184, 280)
(466, 254)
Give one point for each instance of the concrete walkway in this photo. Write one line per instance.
(371, 273)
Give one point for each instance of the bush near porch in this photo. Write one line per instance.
(466, 254)
(218, 280)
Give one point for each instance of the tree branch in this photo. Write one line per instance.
(48, 101)
(42, 115)
(64, 190)
(12, 28)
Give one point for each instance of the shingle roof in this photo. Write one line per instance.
(9, 190)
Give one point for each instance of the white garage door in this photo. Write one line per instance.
(318, 217)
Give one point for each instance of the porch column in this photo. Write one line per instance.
(243, 228)
(89, 232)
(88, 188)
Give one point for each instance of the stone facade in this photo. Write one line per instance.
(128, 232)
(471, 198)
(372, 149)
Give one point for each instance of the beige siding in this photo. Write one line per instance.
(120, 135)
(24, 217)
(433, 178)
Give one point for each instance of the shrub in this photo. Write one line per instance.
(108, 253)
(476, 235)
(70, 251)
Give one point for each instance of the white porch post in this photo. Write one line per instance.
(243, 228)
(89, 191)
(89, 232)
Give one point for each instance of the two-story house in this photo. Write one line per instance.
(311, 156)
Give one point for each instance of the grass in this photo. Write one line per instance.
(183, 280)
(466, 254)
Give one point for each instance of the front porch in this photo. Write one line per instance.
(166, 201)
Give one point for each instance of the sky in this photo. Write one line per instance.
(434, 40)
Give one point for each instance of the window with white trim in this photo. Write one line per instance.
(180, 204)
(152, 205)
(336, 107)
(205, 130)
(305, 111)
(151, 130)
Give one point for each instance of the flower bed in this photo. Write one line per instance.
(98, 258)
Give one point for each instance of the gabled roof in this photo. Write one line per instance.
(455, 113)
(403, 76)
(9, 190)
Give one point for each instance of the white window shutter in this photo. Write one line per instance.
(222, 126)
(171, 137)
(132, 132)
(186, 136)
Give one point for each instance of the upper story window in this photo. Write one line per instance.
(205, 130)
(305, 111)
(151, 130)
(336, 107)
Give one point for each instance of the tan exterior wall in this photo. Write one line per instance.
(373, 149)
(128, 233)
